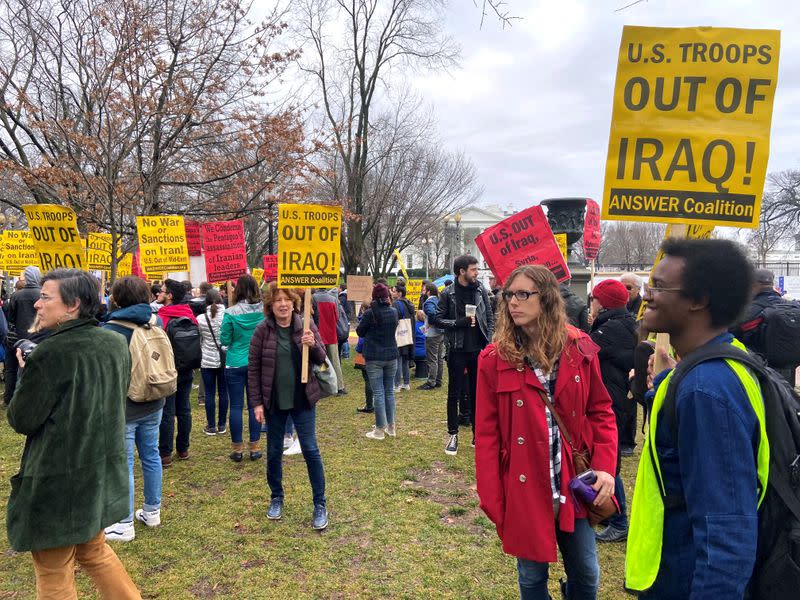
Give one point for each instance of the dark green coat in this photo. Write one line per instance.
(70, 403)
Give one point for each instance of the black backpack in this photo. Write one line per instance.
(184, 335)
(774, 333)
(776, 575)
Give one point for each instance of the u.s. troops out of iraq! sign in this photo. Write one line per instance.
(690, 128)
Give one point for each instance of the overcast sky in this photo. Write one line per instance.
(531, 105)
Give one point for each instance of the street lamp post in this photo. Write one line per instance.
(427, 244)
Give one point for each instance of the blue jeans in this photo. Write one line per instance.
(403, 374)
(212, 378)
(305, 421)
(236, 378)
(381, 377)
(143, 433)
(177, 405)
(580, 563)
(620, 520)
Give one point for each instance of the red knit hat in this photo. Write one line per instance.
(380, 292)
(611, 294)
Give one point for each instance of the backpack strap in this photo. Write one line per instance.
(669, 408)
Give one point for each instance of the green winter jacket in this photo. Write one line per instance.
(237, 329)
(70, 403)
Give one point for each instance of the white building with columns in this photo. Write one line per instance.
(457, 237)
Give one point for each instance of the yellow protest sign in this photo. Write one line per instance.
(162, 245)
(690, 129)
(55, 236)
(98, 251)
(125, 265)
(401, 264)
(309, 245)
(561, 240)
(259, 275)
(18, 251)
(413, 290)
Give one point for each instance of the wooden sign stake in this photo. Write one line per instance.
(306, 327)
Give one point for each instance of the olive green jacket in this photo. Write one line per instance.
(70, 403)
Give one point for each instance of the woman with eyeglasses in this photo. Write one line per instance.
(523, 459)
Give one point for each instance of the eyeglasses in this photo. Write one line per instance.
(654, 289)
(520, 295)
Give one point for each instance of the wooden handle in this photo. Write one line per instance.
(306, 327)
(662, 349)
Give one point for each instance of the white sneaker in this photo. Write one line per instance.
(151, 518)
(120, 532)
(294, 448)
(376, 434)
(406, 387)
(391, 431)
(287, 441)
(399, 388)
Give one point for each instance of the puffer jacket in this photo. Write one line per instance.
(261, 364)
(238, 325)
(211, 358)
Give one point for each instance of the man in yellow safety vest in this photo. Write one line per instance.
(694, 523)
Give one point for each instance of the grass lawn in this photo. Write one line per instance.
(404, 520)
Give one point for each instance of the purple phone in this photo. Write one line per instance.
(581, 487)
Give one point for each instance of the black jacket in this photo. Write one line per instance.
(454, 324)
(753, 338)
(615, 332)
(634, 306)
(21, 312)
(577, 311)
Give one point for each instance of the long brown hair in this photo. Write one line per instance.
(512, 343)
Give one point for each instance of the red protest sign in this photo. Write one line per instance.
(591, 230)
(522, 239)
(224, 250)
(193, 240)
(136, 266)
(270, 267)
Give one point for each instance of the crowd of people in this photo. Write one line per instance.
(549, 385)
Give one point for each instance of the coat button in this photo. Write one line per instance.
(522, 478)
(520, 440)
(520, 402)
(577, 378)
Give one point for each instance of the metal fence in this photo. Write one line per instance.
(781, 269)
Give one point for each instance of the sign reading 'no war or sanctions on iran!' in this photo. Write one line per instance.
(55, 236)
(162, 245)
(690, 128)
(309, 242)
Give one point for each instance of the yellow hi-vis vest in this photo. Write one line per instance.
(646, 530)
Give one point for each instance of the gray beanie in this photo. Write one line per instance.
(33, 276)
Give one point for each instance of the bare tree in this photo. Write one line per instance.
(775, 229)
(142, 107)
(784, 187)
(351, 72)
(629, 244)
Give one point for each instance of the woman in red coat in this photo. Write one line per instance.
(522, 461)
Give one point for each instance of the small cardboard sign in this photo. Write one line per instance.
(359, 288)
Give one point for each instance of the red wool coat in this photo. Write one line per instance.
(511, 444)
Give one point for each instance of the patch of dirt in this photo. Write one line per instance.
(156, 569)
(251, 564)
(205, 589)
(450, 489)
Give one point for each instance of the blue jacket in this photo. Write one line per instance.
(709, 546)
(138, 314)
(429, 308)
(419, 340)
(377, 327)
